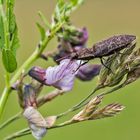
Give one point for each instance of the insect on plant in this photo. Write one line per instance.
(104, 48)
(121, 67)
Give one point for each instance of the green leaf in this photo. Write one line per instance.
(13, 31)
(14, 43)
(11, 16)
(45, 21)
(42, 31)
(76, 2)
(60, 7)
(2, 40)
(9, 60)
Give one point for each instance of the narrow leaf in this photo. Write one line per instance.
(42, 31)
(13, 30)
(9, 60)
(45, 21)
(15, 42)
(1, 34)
(11, 16)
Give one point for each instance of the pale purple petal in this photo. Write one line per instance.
(66, 83)
(62, 76)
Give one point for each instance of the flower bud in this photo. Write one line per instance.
(38, 74)
(75, 36)
(88, 71)
(29, 96)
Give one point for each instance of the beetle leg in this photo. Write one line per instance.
(81, 64)
(102, 62)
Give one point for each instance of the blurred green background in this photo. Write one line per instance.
(103, 18)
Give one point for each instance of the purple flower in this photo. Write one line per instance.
(72, 43)
(80, 37)
(61, 76)
(88, 71)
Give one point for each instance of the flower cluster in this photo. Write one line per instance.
(92, 111)
(61, 76)
(72, 40)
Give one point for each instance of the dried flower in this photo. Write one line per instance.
(61, 76)
(88, 109)
(50, 121)
(91, 111)
(36, 122)
(108, 111)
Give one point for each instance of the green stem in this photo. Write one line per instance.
(76, 107)
(113, 89)
(80, 104)
(35, 55)
(7, 75)
(3, 99)
(9, 121)
(27, 131)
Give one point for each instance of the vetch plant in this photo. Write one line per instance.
(120, 66)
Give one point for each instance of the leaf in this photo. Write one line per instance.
(45, 21)
(2, 41)
(77, 2)
(42, 31)
(60, 7)
(11, 16)
(9, 60)
(13, 30)
(14, 42)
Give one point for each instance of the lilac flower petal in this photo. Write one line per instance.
(62, 76)
(88, 71)
(66, 83)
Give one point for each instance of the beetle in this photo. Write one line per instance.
(104, 48)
